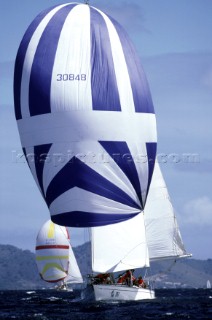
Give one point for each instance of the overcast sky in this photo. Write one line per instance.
(173, 39)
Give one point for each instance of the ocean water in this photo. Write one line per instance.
(49, 305)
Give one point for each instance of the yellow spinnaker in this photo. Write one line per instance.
(51, 232)
(50, 266)
(40, 258)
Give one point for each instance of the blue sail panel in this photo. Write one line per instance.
(105, 95)
(20, 60)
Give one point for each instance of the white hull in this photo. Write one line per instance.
(121, 292)
(64, 289)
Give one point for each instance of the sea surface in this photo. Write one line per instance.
(49, 305)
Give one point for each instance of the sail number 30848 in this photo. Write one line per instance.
(71, 77)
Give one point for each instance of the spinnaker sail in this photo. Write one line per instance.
(54, 255)
(85, 116)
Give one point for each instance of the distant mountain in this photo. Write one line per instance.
(18, 270)
(186, 273)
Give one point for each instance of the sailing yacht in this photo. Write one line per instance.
(208, 284)
(152, 235)
(55, 258)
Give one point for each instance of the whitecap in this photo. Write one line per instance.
(54, 298)
(30, 292)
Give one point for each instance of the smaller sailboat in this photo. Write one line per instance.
(208, 284)
(55, 258)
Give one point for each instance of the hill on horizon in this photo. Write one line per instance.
(19, 271)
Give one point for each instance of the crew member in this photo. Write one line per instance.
(127, 278)
(102, 278)
(141, 283)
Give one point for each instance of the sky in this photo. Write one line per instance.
(173, 40)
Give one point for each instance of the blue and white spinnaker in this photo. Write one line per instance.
(85, 116)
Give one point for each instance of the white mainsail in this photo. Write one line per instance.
(162, 231)
(120, 246)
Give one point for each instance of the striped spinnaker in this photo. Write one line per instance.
(52, 252)
(85, 116)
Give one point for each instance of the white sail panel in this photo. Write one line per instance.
(163, 235)
(74, 274)
(120, 246)
(78, 33)
(79, 197)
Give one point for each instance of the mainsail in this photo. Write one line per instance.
(85, 116)
(162, 231)
(120, 246)
(54, 255)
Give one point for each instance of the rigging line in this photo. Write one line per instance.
(165, 271)
(146, 272)
(127, 264)
(66, 234)
(141, 243)
(74, 277)
(87, 241)
(171, 266)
